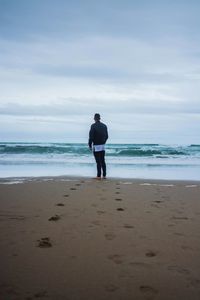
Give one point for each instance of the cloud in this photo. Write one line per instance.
(80, 107)
(136, 62)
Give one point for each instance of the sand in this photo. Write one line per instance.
(113, 239)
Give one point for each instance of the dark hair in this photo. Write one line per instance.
(97, 117)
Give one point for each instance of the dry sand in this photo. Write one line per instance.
(113, 239)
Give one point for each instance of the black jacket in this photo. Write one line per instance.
(98, 134)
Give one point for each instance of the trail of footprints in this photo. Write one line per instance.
(45, 242)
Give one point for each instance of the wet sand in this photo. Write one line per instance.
(116, 239)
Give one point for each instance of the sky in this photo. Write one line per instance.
(137, 63)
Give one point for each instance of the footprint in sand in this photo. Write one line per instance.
(44, 242)
(117, 193)
(111, 288)
(60, 204)
(118, 199)
(102, 199)
(14, 254)
(110, 236)
(148, 290)
(101, 212)
(116, 258)
(194, 282)
(158, 201)
(73, 189)
(178, 270)
(178, 233)
(54, 218)
(10, 290)
(128, 226)
(150, 253)
(155, 205)
(171, 225)
(96, 222)
(66, 195)
(41, 294)
(179, 218)
(120, 209)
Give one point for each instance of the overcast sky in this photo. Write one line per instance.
(137, 63)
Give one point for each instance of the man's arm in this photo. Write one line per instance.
(91, 137)
(106, 133)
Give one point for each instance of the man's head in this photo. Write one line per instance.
(97, 117)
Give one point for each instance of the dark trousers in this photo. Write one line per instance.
(100, 160)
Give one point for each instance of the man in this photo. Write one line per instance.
(98, 136)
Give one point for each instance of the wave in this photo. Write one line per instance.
(195, 145)
(148, 152)
(115, 150)
(42, 149)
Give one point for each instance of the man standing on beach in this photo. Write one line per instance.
(98, 136)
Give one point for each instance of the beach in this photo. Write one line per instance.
(79, 238)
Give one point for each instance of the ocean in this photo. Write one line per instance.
(146, 161)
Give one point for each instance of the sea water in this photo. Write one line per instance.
(153, 161)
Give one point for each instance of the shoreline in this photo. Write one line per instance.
(22, 179)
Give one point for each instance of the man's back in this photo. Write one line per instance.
(98, 134)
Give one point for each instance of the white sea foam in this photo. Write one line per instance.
(12, 182)
(191, 186)
(146, 183)
(169, 185)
